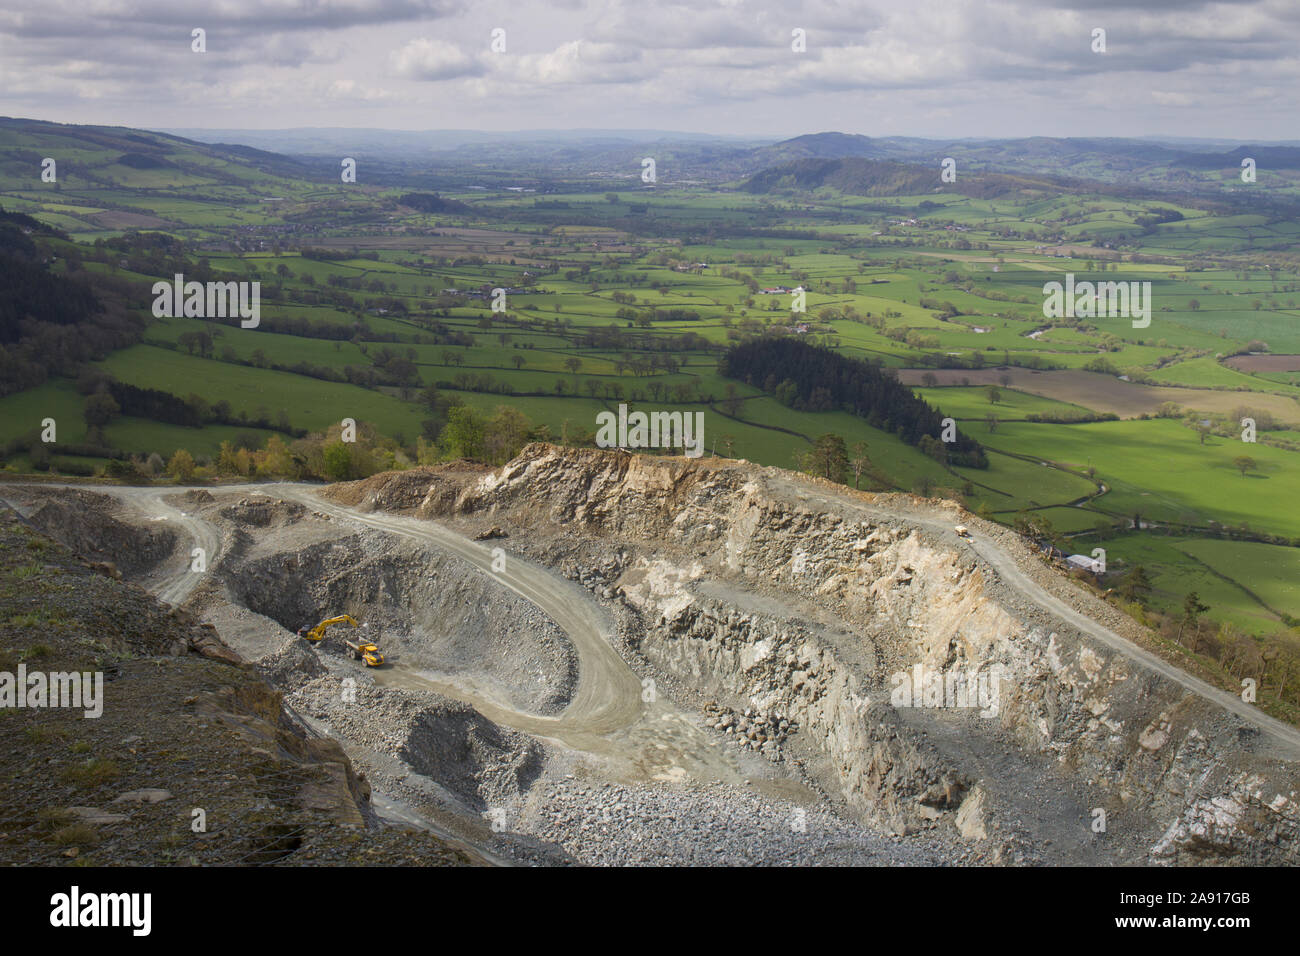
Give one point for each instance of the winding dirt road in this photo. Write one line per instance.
(606, 717)
(608, 697)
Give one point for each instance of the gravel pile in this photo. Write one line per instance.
(477, 761)
(715, 825)
(751, 729)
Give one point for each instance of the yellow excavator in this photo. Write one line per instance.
(362, 650)
(317, 633)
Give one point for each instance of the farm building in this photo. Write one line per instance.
(1085, 562)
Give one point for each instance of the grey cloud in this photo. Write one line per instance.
(62, 18)
(721, 64)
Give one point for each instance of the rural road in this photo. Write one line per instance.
(1013, 576)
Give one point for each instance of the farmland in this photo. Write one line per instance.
(377, 304)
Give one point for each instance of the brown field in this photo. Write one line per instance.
(1264, 363)
(1104, 393)
(128, 220)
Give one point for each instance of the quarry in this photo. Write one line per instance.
(595, 657)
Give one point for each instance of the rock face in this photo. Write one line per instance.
(1241, 823)
(407, 490)
(819, 609)
(83, 520)
(261, 512)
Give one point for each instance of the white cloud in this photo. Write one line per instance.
(579, 61)
(426, 59)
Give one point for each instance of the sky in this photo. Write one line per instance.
(933, 68)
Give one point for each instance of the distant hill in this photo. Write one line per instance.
(865, 177)
(1265, 157)
(822, 146)
(420, 144)
(116, 156)
(445, 159)
(1110, 160)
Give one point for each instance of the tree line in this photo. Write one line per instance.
(53, 321)
(808, 378)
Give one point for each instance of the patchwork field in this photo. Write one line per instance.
(1105, 394)
(377, 305)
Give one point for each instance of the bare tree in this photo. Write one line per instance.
(859, 462)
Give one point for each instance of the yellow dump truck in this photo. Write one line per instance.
(363, 650)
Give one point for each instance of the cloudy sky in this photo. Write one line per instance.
(940, 68)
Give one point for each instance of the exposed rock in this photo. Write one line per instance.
(147, 795)
(96, 817)
(970, 816)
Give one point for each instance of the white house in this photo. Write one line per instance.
(1085, 562)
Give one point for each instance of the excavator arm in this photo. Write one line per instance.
(317, 633)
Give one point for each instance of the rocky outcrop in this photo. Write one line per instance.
(84, 521)
(1246, 821)
(810, 608)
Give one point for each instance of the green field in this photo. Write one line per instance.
(1160, 470)
(1246, 583)
(632, 295)
(313, 403)
(972, 404)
